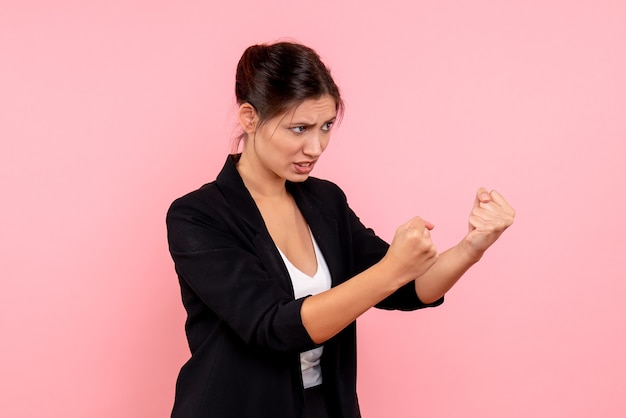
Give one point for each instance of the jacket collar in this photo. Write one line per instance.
(239, 198)
(323, 224)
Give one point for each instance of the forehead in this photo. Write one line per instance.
(323, 108)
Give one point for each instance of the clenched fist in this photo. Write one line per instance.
(490, 216)
(412, 251)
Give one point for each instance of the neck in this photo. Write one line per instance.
(260, 184)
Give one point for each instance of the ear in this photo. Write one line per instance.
(247, 118)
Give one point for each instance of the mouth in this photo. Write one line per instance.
(304, 167)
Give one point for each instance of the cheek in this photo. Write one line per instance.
(324, 141)
(285, 145)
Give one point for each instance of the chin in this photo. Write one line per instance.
(298, 178)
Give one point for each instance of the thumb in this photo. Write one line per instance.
(482, 196)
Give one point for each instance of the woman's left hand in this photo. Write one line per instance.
(490, 217)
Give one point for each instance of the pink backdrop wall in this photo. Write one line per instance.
(110, 110)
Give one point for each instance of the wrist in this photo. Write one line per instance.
(394, 277)
(469, 253)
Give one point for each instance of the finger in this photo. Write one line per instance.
(415, 223)
(482, 195)
(429, 226)
(501, 201)
(482, 217)
(491, 212)
(491, 207)
(485, 221)
(492, 217)
(476, 222)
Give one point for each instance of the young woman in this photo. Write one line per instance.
(274, 266)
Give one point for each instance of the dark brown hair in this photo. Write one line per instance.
(274, 78)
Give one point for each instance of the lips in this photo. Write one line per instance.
(304, 167)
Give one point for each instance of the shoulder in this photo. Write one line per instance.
(200, 213)
(199, 200)
(322, 189)
(213, 195)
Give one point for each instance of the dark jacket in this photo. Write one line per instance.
(244, 326)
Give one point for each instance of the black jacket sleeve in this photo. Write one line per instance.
(368, 250)
(219, 267)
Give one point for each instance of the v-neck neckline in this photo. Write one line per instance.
(316, 250)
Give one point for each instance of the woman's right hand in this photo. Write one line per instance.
(412, 251)
(409, 256)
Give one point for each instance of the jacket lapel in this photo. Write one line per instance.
(323, 226)
(251, 223)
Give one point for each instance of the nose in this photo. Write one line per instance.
(313, 146)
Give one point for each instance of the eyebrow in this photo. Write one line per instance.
(309, 124)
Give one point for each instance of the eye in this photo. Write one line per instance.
(298, 129)
(327, 126)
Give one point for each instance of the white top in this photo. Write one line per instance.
(304, 285)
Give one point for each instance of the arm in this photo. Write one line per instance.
(226, 278)
(411, 254)
(490, 216)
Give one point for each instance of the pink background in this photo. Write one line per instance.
(110, 110)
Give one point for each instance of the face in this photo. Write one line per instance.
(288, 146)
